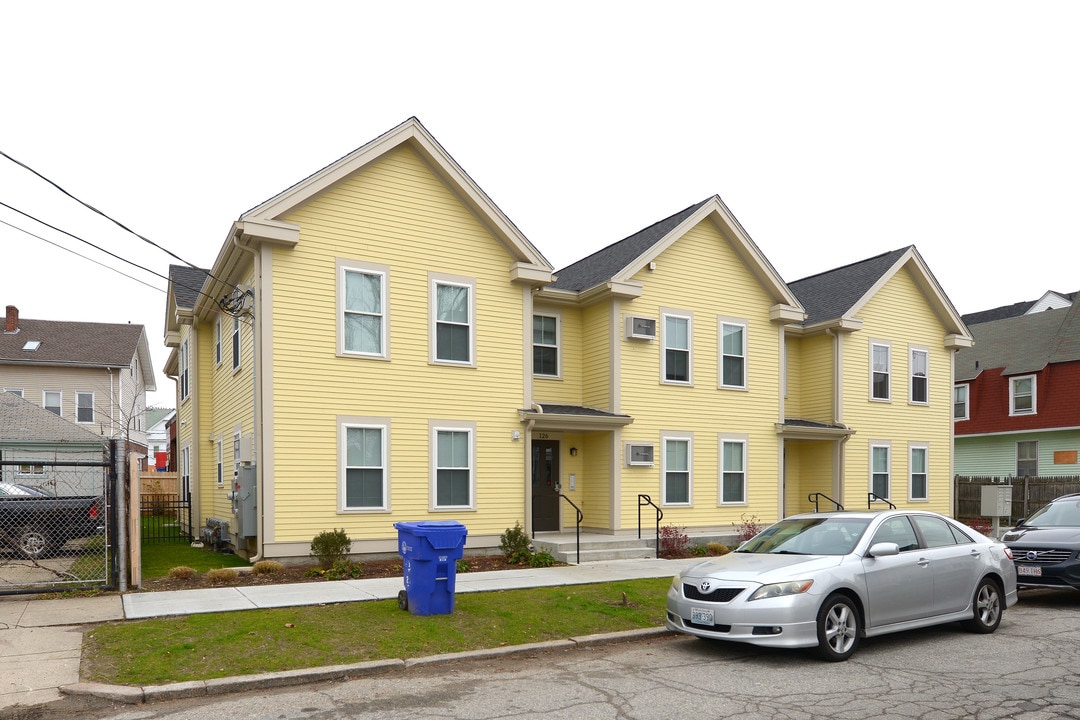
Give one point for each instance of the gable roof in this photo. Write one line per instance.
(1016, 309)
(22, 423)
(1021, 344)
(155, 415)
(837, 296)
(77, 344)
(186, 283)
(619, 262)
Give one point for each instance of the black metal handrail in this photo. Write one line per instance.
(813, 497)
(871, 497)
(642, 501)
(580, 517)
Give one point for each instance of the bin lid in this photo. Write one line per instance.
(442, 534)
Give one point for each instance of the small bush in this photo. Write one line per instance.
(181, 572)
(462, 565)
(221, 576)
(344, 570)
(330, 546)
(515, 545)
(542, 559)
(267, 567)
(747, 528)
(715, 548)
(674, 542)
(699, 550)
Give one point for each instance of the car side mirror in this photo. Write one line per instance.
(883, 549)
(1020, 522)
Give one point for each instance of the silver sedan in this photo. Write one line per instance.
(825, 580)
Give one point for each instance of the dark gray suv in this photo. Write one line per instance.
(1046, 545)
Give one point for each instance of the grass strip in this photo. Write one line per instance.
(201, 647)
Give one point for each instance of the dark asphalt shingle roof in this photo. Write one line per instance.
(1022, 344)
(605, 264)
(71, 343)
(187, 283)
(22, 421)
(831, 294)
(579, 410)
(1007, 311)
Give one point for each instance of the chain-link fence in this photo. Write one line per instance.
(55, 524)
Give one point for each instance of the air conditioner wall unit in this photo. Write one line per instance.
(639, 454)
(640, 328)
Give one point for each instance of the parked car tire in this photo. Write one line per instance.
(34, 543)
(987, 607)
(838, 628)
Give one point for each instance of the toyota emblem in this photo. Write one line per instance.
(705, 586)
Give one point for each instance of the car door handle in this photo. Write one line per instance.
(923, 562)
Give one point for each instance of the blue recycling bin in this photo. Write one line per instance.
(429, 550)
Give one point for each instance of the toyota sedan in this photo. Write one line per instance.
(826, 580)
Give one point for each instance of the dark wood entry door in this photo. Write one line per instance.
(545, 485)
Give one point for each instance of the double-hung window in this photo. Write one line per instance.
(452, 318)
(84, 407)
(236, 343)
(183, 363)
(1022, 395)
(677, 478)
(732, 354)
(217, 341)
(919, 362)
(917, 467)
(1027, 458)
(363, 310)
(678, 331)
(546, 345)
(364, 482)
(732, 472)
(880, 470)
(220, 464)
(51, 400)
(880, 370)
(452, 452)
(960, 402)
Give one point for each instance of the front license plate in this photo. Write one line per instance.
(1029, 570)
(701, 616)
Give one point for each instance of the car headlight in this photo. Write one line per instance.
(793, 587)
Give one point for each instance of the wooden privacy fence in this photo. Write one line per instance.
(1028, 494)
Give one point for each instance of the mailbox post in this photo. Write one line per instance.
(996, 503)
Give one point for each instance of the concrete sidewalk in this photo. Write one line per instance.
(41, 638)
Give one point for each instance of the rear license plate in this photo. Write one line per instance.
(1029, 570)
(701, 616)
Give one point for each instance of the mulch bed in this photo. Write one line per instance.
(301, 574)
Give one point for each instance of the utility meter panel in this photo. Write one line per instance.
(244, 507)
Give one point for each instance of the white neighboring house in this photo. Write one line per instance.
(95, 375)
(157, 432)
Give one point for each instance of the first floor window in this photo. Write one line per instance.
(676, 471)
(84, 407)
(185, 471)
(960, 402)
(918, 489)
(364, 468)
(1027, 459)
(220, 464)
(453, 468)
(32, 471)
(51, 401)
(879, 473)
(733, 478)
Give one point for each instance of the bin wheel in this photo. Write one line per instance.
(403, 600)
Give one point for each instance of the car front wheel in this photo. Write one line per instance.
(33, 543)
(838, 628)
(987, 607)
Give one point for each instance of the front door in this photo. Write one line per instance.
(545, 485)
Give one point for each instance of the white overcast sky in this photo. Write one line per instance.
(834, 131)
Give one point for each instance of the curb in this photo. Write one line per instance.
(135, 695)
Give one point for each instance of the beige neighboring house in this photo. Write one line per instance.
(95, 375)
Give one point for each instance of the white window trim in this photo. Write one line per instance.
(44, 396)
(15, 391)
(742, 323)
(236, 457)
(688, 438)
(366, 268)
(912, 349)
(558, 346)
(217, 341)
(220, 445)
(1034, 395)
(371, 423)
(237, 345)
(184, 376)
(93, 412)
(34, 470)
(434, 281)
(912, 447)
(887, 445)
(967, 401)
(743, 440)
(185, 468)
(434, 427)
(665, 314)
(888, 371)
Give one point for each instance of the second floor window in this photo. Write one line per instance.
(919, 384)
(364, 317)
(453, 323)
(217, 342)
(84, 407)
(236, 343)
(960, 402)
(1022, 395)
(51, 401)
(676, 349)
(545, 345)
(183, 362)
(881, 370)
(733, 355)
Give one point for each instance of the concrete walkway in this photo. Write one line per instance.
(41, 638)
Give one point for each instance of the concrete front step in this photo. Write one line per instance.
(591, 551)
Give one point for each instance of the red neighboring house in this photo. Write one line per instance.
(1017, 396)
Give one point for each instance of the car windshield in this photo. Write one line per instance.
(1063, 513)
(808, 536)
